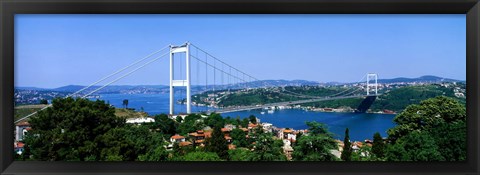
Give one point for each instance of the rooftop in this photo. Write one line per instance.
(176, 136)
(23, 123)
(185, 143)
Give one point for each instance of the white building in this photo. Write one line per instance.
(140, 120)
(21, 129)
(267, 127)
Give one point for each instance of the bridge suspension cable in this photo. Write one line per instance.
(118, 71)
(317, 97)
(226, 64)
(349, 89)
(127, 74)
(104, 78)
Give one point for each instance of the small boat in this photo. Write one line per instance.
(270, 111)
(262, 112)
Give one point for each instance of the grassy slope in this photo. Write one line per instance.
(129, 114)
(24, 110)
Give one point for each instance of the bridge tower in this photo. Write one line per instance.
(185, 48)
(374, 76)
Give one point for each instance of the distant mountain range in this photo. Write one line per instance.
(154, 89)
(422, 79)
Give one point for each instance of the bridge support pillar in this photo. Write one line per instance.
(374, 76)
(180, 82)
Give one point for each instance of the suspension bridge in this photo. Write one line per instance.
(212, 75)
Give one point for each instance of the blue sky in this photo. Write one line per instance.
(57, 50)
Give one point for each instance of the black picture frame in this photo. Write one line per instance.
(8, 8)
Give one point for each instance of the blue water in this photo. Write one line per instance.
(361, 126)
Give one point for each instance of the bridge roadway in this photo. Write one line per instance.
(245, 108)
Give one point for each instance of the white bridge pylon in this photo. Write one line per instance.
(185, 48)
(374, 76)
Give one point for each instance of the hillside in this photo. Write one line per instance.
(394, 99)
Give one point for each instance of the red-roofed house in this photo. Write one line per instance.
(251, 125)
(226, 131)
(199, 136)
(177, 138)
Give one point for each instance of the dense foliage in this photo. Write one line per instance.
(347, 147)
(217, 143)
(378, 145)
(316, 146)
(434, 130)
(72, 129)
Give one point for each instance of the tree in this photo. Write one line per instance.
(415, 146)
(347, 147)
(266, 148)
(70, 128)
(316, 145)
(155, 151)
(217, 143)
(44, 101)
(239, 137)
(157, 154)
(238, 121)
(201, 156)
(378, 145)
(131, 143)
(125, 103)
(244, 122)
(116, 145)
(428, 114)
(240, 154)
(179, 119)
(317, 128)
(214, 119)
(433, 130)
(252, 119)
(453, 140)
(191, 123)
(164, 125)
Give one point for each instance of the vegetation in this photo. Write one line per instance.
(73, 129)
(125, 103)
(427, 115)
(217, 143)
(378, 145)
(239, 137)
(398, 99)
(44, 101)
(347, 147)
(83, 130)
(316, 146)
(125, 113)
(434, 130)
(265, 147)
(24, 110)
(201, 156)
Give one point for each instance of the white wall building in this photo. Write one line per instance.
(140, 120)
